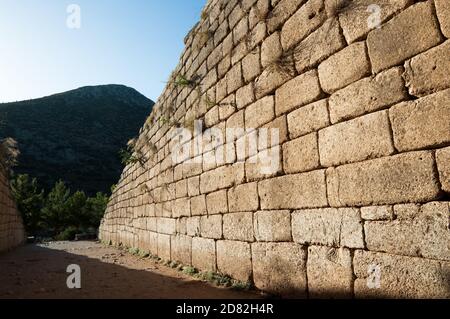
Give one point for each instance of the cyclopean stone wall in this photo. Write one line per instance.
(358, 204)
(12, 233)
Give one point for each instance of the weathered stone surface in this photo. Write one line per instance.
(193, 226)
(234, 78)
(259, 113)
(368, 95)
(299, 91)
(377, 213)
(271, 49)
(181, 249)
(238, 226)
(280, 268)
(251, 66)
(426, 235)
(265, 164)
(301, 154)
(411, 32)
(345, 67)
(421, 123)
(198, 205)
(282, 11)
(166, 226)
(360, 139)
(319, 45)
(328, 226)
(307, 119)
(163, 246)
(354, 19)
(330, 273)
(211, 226)
(397, 179)
(428, 72)
(271, 79)
(244, 96)
(293, 191)
(216, 202)
(443, 13)
(274, 225)
(204, 253)
(222, 177)
(399, 276)
(443, 163)
(302, 23)
(234, 259)
(181, 207)
(193, 185)
(243, 198)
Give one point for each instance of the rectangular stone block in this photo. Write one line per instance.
(368, 95)
(421, 123)
(345, 67)
(259, 113)
(377, 213)
(401, 178)
(271, 49)
(198, 205)
(271, 79)
(234, 78)
(211, 226)
(274, 225)
(426, 235)
(411, 32)
(282, 11)
(428, 72)
(243, 198)
(319, 45)
(164, 246)
(182, 249)
(443, 164)
(234, 259)
(222, 177)
(166, 226)
(238, 226)
(330, 273)
(382, 275)
(280, 268)
(301, 154)
(216, 203)
(328, 226)
(293, 191)
(299, 91)
(360, 139)
(265, 164)
(204, 254)
(193, 226)
(193, 184)
(181, 207)
(307, 119)
(251, 65)
(443, 13)
(354, 17)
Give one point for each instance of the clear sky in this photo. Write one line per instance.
(132, 42)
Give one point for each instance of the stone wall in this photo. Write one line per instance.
(358, 204)
(12, 233)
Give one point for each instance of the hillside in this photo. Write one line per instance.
(75, 136)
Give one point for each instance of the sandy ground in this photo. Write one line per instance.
(39, 271)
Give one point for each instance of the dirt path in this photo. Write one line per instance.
(39, 271)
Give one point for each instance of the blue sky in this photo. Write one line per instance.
(136, 43)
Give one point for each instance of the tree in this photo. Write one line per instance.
(95, 208)
(29, 199)
(54, 213)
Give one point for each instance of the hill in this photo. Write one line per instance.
(75, 136)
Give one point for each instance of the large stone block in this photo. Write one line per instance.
(181, 207)
(259, 113)
(328, 226)
(271, 49)
(166, 226)
(274, 225)
(382, 275)
(282, 11)
(243, 198)
(401, 178)
(280, 268)
(251, 65)
(345, 67)
(222, 177)
(204, 254)
(294, 191)
(421, 123)
(164, 246)
(301, 154)
(411, 32)
(330, 273)
(216, 203)
(211, 226)
(428, 72)
(309, 118)
(198, 205)
(368, 95)
(181, 249)
(193, 226)
(299, 91)
(443, 163)
(377, 213)
(443, 13)
(360, 139)
(234, 259)
(271, 79)
(355, 18)
(425, 235)
(238, 226)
